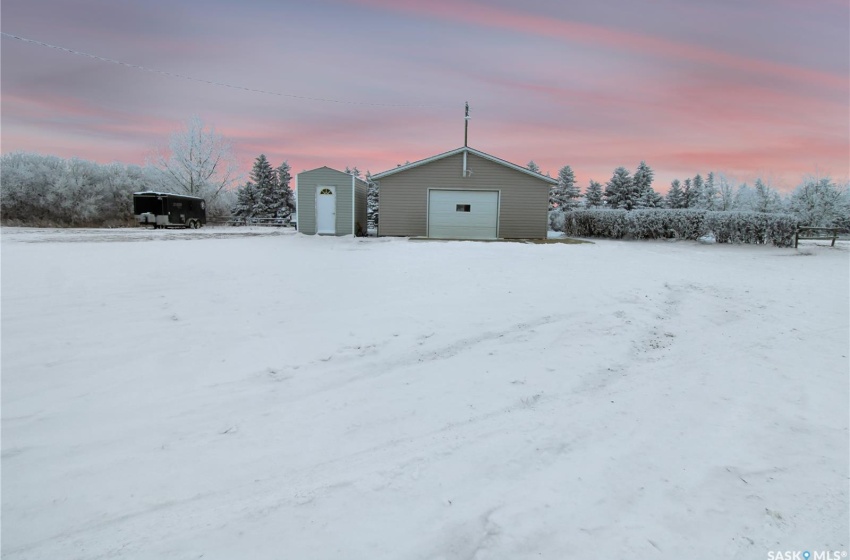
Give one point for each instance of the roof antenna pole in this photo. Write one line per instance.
(465, 135)
(466, 126)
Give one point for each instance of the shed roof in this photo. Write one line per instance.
(358, 179)
(469, 150)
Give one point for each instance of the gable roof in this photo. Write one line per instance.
(358, 179)
(469, 150)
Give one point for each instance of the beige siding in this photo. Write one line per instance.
(360, 214)
(523, 200)
(305, 191)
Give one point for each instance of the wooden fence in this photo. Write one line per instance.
(816, 233)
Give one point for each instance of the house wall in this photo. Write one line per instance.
(523, 202)
(361, 193)
(306, 198)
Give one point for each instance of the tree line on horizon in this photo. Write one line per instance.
(815, 202)
(44, 190)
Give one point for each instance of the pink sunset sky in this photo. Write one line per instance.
(747, 88)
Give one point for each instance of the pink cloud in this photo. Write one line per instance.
(604, 37)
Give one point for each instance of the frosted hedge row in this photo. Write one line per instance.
(726, 227)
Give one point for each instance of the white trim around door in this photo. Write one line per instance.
(325, 210)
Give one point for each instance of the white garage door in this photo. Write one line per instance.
(463, 214)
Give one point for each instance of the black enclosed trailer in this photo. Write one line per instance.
(162, 210)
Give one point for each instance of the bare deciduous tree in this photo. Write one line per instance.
(197, 162)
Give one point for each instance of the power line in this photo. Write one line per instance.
(209, 82)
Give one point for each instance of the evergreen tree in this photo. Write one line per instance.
(593, 195)
(643, 178)
(372, 202)
(687, 193)
(646, 195)
(285, 205)
(650, 199)
(265, 182)
(267, 194)
(766, 198)
(620, 190)
(695, 193)
(572, 193)
(708, 196)
(564, 196)
(354, 171)
(675, 196)
(533, 166)
(247, 201)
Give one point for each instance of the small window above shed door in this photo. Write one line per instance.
(326, 191)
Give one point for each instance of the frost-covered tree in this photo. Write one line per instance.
(687, 193)
(821, 203)
(727, 227)
(267, 194)
(643, 177)
(767, 199)
(649, 199)
(264, 180)
(27, 185)
(572, 193)
(77, 186)
(593, 195)
(646, 195)
(533, 166)
(372, 202)
(39, 190)
(352, 171)
(620, 190)
(694, 193)
(564, 196)
(197, 162)
(726, 196)
(675, 196)
(759, 198)
(247, 201)
(286, 198)
(709, 194)
(744, 199)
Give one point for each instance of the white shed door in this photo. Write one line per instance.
(463, 214)
(326, 210)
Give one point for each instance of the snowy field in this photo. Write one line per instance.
(251, 393)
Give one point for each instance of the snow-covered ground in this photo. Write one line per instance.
(262, 394)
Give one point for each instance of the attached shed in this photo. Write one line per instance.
(463, 194)
(330, 202)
